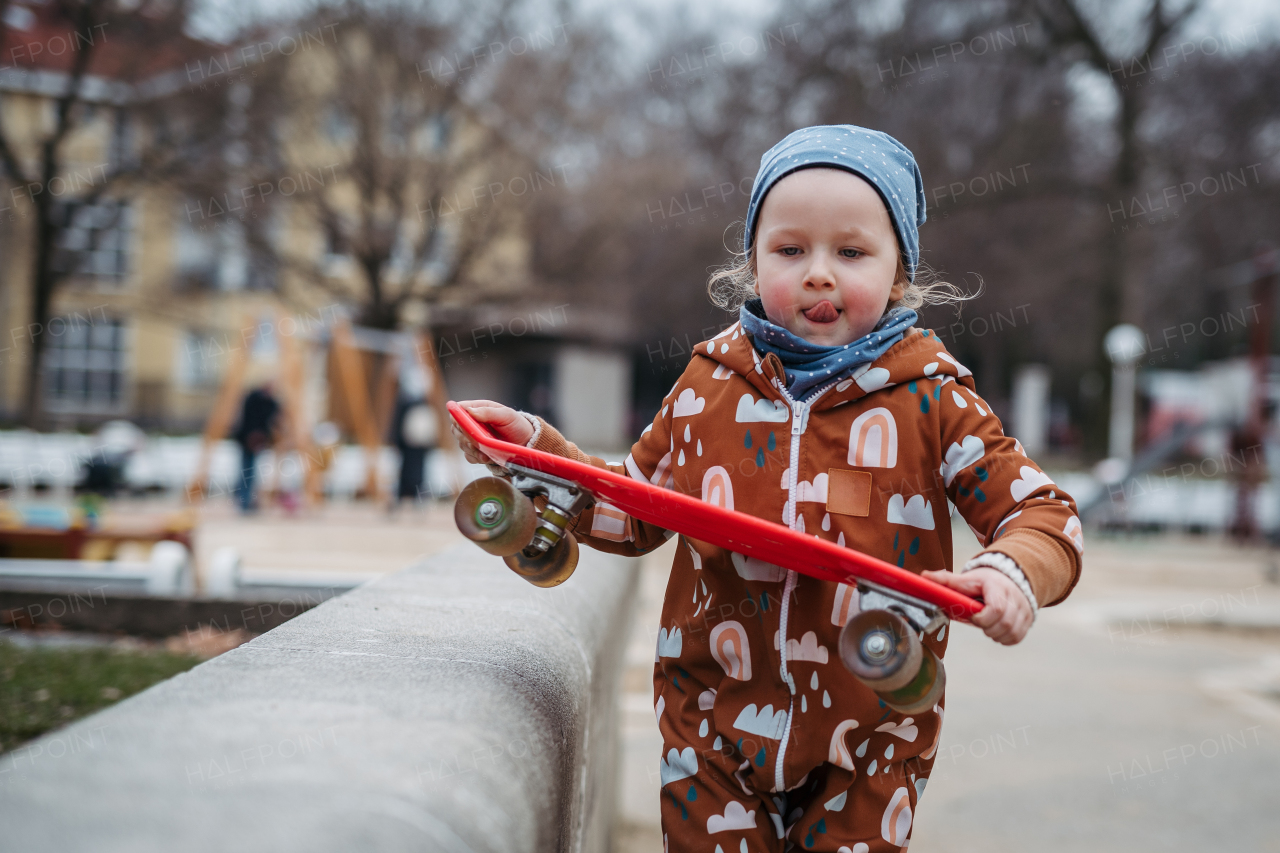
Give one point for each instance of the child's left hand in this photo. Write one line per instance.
(1007, 615)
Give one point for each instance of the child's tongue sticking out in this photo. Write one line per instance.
(823, 312)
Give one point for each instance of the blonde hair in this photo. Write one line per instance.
(735, 283)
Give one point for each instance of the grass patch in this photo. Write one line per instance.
(43, 688)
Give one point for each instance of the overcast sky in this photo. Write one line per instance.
(218, 19)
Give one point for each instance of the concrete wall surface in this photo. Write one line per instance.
(448, 707)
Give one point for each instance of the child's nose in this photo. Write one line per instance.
(819, 276)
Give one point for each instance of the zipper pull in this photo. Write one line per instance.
(799, 414)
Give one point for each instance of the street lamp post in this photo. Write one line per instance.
(1124, 345)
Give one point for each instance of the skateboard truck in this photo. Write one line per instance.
(498, 514)
(880, 645)
(564, 501)
(921, 615)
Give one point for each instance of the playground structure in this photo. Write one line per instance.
(356, 374)
(321, 374)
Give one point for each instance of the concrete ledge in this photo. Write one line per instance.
(448, 707)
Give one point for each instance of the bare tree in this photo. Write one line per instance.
(420, 131)
(992, 90)
(124, 59)
(1071, 36)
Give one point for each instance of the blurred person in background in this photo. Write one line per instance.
(115, 443)
(414, 434)
(255, 433)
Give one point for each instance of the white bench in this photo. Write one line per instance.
(167, 573)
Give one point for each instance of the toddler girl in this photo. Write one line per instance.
(823, 408)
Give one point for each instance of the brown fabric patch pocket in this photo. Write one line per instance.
(849, 492)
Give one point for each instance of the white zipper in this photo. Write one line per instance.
(799, 418)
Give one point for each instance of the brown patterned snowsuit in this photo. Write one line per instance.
(768, 740)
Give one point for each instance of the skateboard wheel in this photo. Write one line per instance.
(495, 515)
(551, 568)
(879, 647)
(924, 691)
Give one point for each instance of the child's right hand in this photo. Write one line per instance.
(506, 423)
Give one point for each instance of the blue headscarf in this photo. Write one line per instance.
(877, 157)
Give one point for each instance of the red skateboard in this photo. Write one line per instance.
(877, 645)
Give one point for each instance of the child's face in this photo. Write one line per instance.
(826, 256)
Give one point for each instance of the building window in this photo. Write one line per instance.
(95, 240)
(196, 252)
(219, 254)
(197, 365)
(84, 368)
(120, 152)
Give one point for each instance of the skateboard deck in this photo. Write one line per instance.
(735, 531)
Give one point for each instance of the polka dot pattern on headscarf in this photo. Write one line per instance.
(877, 157)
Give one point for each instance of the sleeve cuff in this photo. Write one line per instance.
(549, 440)
(1005, 565)
(1050, 566)
(537, 429)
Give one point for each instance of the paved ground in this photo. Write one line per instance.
(337, 539)
(1144, 714)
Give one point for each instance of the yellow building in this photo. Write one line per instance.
(162, 285)
(335, 158)
(143, 290)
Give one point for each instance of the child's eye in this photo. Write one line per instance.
(790, 251)
(850, 253)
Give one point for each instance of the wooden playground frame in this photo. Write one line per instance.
(370, 413)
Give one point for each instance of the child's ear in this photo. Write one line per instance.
(900, 283)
